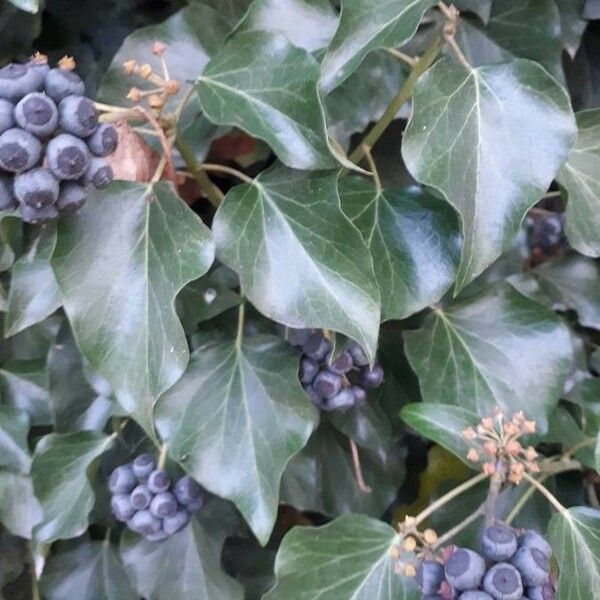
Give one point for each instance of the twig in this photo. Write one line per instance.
(452, 15)
(544, 491)
(213, 168)
(362, 486)
(373, 168)
(165, 144)
(409, 60)
(458, 528)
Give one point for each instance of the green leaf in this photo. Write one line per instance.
(76, 405)
(267, 87)
(366, 25)
(443, 424)
(413, 239)
(192, 36)
(300, 260)
(232, 10)
(497, 348)
(59, 473)
(566, 283)
(234, 421)
(349, 559)
(120, 263)
(364, 96)
(575, 539)
(482, 8)
(30, 6)
(14, 428)
(308, 24)
(89, 571)
(185, 566)
(563, 429)
(487, 120)
(505, 37)
(34, 293)
(572, 24)
(321, 478)
(20, 510)
(597, 454)
(580, 176)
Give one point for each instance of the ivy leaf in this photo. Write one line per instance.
(58, 470)
(120, 263)
(14, 428)
(321, 477)
(267, 87)
(34, 293)
(413, 239)
(289, 223)
(566, 283)
(185, 566)
(191, 35)
(364, 96)
(482, 8)
(232, 10)
(572, 24)
(366, 25)
(443, 424)
(497, 348)
(504, 37)
(30, 6)
(563, 429)
(308, 24)
(89, 571)
(234, 421)
(575, 539)
(348, 559)
(580, 176)
(504, 131)
(20, 510)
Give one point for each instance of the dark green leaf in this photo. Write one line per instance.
(308, 24)
(234, 421)
(19, 29)
(581, 178)
(494, 349)
(516, 29)
(20, 510)
(267, 87)
(442, 424)
(505, 131)
(572, 24)
(483, 8)
(563, 429)
(349, 559)
(192, 36)
(321, 478)
(575, 538)
(31, 6)
(300, 260)
(185, 566)
(89, 571)
(366, 25)
(34, 293)
(14, 428)
(120, 263)
(32, 343)
(232, 10)
(413, 239)
(59, 473)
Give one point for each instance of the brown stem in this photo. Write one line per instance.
(492, 497)
(362, 486)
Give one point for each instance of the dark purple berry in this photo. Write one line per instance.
(371, 378)
(308, 370)
(37, 216)
(498, 543)
(163, 505)
(464, 569)
(187, 489)
(143, 465)
(532, 564)
(141, 497)
(358, 356)
(121, 507)
(122, 480)
(316, 347)
(144, 522)
(68, 156)
(78, 115)
(37, 188)
(7, 193)
(327, 384)
(177, 522)
(99, 173)
(343, 400)
(430, 575)
(71, 198)
(159, 481)
(16, 81)
(342, 364)
(61, 83)
(503, 582)
(104, 140)
(7, 119)
(360, 396)
(37, 114)
(19, 150)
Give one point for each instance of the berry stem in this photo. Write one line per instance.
(458, 528)
(210, 167)
(373, 167)
(492, 496)
(409, 60)
(396, 104)
(452, 15)
(544, 491)
(457, 491)
(162, 458)
(358, 474)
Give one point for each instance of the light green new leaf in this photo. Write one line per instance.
(120, 263)
(491, 140)
(348, 559)
(580, 176)
(366, 25)
(300, 260)
(191, 35)
(89, 571)
(413, 239)
(442, 424)
(575, 538)
(20, 510)
(185, 566)
(235, 419)
(58, 470)
(262, 84)
(34, 293)
(308, 24)
(497, 348)
(505, 37)
(14, 428)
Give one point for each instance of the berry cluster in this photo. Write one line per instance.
(510, 567)
(144, 498)
(51, 145)
(337, 384)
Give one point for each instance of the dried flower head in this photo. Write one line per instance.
(39, 58)
(129, 67)
(172, 87)
(67, 63)
(134, 94)
(145, 71)
(158, 48)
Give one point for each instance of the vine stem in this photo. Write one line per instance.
(214, 168)
(358, 474)
(240, 328)
(35, 588)
(492, 497)
(424, 62)
(458, 528)
(162, 458)
(457, 491)
(545, 492)
(373, 168)
(409, 60)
